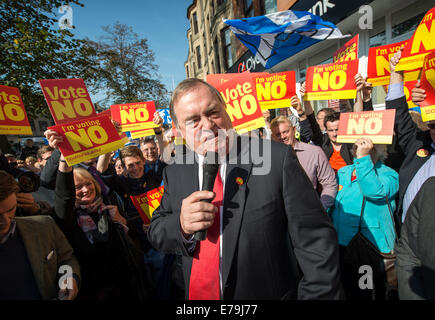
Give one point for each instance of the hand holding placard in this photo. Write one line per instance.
(86, 139)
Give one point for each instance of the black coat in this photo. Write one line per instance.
(411, 139)
(415, 262)
(271, 223)
(115, 263)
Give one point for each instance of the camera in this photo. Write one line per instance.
(28, 182)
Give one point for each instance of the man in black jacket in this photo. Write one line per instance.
(415, 263)
(269, 221)
(418, 146)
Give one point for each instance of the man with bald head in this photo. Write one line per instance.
(260, 224)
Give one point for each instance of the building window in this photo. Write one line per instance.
(269, 6)
(194, 68)
(302, 70)
(195, 23)
(187, 72)
(198, 57)
(226, 41)
(248, 8)
(217, 59)
(406, 26)
(377, 35)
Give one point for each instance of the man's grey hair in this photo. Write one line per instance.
(186, 86)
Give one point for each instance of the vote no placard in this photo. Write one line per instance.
(142, 133)
(349, 51)
(241, 103)
(134, 116)
(87, 139)
(376, 125)
(147, 203)
(68, 99)
(427, 82)
(378, 67)
(13, 116)
(275, 90)
(421, 44)
(331, 81)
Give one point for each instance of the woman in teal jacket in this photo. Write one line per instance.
(366, 178)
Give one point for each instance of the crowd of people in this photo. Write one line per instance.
(282, 235)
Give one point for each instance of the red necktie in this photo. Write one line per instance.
(204, 276)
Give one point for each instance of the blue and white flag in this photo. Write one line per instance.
(166, 116)
(275, 37)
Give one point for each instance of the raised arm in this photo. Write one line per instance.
(64, 201)
(363, 94)
(410, 138)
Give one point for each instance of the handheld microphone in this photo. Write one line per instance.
(210, 169)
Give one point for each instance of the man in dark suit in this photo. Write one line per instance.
(415, 263)
(270, 219)
(418, 145)
(34, 253)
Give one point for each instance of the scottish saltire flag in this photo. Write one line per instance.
(275, 37)
(166, 116)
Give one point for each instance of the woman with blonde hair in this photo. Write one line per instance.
(111, 265)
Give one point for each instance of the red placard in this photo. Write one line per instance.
(218, 79)
(134, 116)
(332, 81)
(376, 125)
(106, 112)
(275, 90)
(147, 203)
(421, 43)
(347, 52)
(427, 82)
(87, 139)
(68, 99)
(241, 102)
(13, 116)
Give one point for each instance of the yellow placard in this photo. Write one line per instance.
(251, 125)
(328, 95)
(142, 133)
(94, 152)
(375, 139)
(275, 104)
(7, 129)
(428, 113)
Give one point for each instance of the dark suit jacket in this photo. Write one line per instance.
(271, 222)
(415, 262)
(411, 139)
(40, 236)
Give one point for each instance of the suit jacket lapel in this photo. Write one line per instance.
(35, 252)
(235, 194)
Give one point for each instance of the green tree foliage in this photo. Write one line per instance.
(124, 68)
(33, 47)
